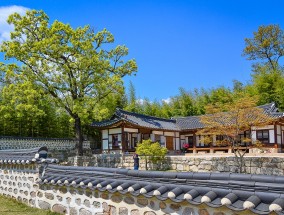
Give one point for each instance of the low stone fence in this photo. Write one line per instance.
(267, 165)
(20, 182)
(32, 179)
(28, 142)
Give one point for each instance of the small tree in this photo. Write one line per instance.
(242, 114)
(151, 152)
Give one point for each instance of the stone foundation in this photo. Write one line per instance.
(268, 165)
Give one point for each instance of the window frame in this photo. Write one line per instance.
(262, 138)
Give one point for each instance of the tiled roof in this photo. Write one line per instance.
(139, 120)
(259, 193)
(25, 156)
(272, 110)
(189, 123)
(193, 122)
(176, 124)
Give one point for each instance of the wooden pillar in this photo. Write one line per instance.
(122, 139)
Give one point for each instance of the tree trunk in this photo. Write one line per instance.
(79, 136)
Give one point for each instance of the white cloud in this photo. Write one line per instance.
(5, 28)
(168, 100)
(140, 101)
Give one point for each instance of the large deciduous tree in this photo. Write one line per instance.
(241, 115)
(76, 67)
(267, 45)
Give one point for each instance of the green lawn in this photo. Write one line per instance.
(10, 206)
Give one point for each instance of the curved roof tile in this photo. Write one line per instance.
(258, 193)
(176, 124)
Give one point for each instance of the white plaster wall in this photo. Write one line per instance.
(105, 134)
(152, 137)
(157, 132)
(177, 144)
(133, 130)
(262, 127)
(115, 130)
(271, 136)
(18, 181)
(278, 129)
(197, 140)
(171, 134)
(253, 135)
(105, 144)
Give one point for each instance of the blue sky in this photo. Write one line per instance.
(189, 44)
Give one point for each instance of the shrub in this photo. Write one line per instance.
(151, 152)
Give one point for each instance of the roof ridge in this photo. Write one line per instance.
(143, 115)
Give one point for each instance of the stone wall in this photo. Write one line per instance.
(19, 181)
(50, 143)
(267, 165)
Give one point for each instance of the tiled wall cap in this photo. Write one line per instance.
(240, 177)
(146, 189)
(66, 182)
(191, 194)
(123, 186)
(277, 205)
(102, 184)
(134, 188)
(85, 182)
(55, 180)
(93, 183)
(60, 181)
(229, 199)
(251, 202)
(224, 176)
(161, 190)
(201, 176)
(113, 185)
(208, 197)
(76, 181)
(48, 179)
(175, 192)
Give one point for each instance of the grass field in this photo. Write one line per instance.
(10, 206)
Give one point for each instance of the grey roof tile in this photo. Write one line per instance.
(175, 124)
(139, 120)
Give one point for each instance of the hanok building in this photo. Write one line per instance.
(125, 129)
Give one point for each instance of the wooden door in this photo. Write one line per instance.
(170, 143)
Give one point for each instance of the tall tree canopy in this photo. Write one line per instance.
(266, 45)
(266, 48)
(75, 67)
